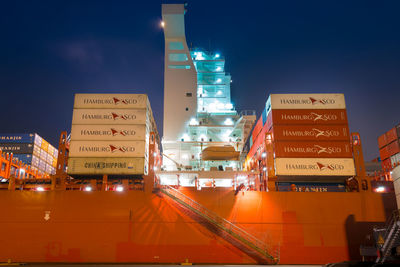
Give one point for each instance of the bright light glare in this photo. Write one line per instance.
(219, 92)
(185, 137)
(154, 154)
(88, 188)
(263, 155)
(40, 189)
(228, 121)
(162, 24)
(219, 68)
(265, 168)
(228, 106)
(193, 121)
(217, 55)
(219, 80)
(380, 189)
(120, 188)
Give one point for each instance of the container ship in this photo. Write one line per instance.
(221, 186)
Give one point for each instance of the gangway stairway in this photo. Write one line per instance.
(252, 246)
(391, 237)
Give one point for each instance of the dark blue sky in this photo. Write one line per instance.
(50, 50)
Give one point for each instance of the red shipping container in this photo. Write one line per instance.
(268, 123)
(391, 135)
(398, 131)
(310, 133)
(257, 128)
(393, 148)
(308, 116)
(387, 164)
(338, 149)
(384, 153)
(382, 141)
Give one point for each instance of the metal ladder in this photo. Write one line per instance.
(391, 237)
(236, 232)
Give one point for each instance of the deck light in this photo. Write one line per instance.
(88, 188)
(263, 155)
(119, 188)
(162, 24)
(185, 137)
(40, 189)
(217, 55)
(193, 121)
(229, 106)
(228, 121)
(380, 189)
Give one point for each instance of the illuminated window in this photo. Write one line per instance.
(179, 67)
(177, 57)
(175, 46)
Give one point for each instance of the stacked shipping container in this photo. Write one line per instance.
(31, 149)
(389, 148)
(310, 135)
(110, 134)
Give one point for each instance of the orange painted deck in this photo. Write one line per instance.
(132, 226)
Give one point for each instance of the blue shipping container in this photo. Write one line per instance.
(25, 158)
(17, 138)
(17, 148)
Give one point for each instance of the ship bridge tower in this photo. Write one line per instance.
(202, 130)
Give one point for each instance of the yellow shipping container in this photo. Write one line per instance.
(45, 145)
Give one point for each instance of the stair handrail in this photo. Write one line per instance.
(226, 225)
(388, 241)
(394, 218)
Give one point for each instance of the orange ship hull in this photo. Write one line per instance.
(132, 226)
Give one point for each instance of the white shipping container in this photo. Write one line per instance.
(109, 116)
(48, 168)
(108, 132)
(49, 158)
(37, 150)
(116, 166)
(315, 166)
(396, 183)
(395, 159)
(43, 155)
(305, 101)
(55, 153)
(50, 149)
(113, 101)
(38, 140)
(116, 149)
(35, 161)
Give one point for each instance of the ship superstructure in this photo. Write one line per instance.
(203, 133)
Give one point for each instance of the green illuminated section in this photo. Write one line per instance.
(213, 83)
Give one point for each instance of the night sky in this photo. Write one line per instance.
(50, 50)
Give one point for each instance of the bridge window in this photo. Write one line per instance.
(175, 46)
(179, 57)
(179, 67)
